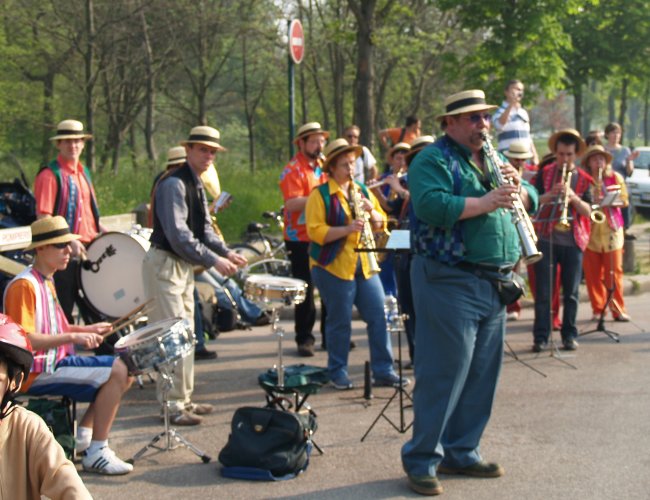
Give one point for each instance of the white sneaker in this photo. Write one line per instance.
(104, 461)
(512, 316)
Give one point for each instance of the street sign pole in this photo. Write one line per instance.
(296, 53)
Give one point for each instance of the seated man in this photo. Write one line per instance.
(32, 463)
(31, 301)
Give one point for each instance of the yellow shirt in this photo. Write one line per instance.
(603, 238)
(345, 263)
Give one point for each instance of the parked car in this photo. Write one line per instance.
(638, 184)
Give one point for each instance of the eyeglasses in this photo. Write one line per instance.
(477, 117)
(61, 246)
(352, 136)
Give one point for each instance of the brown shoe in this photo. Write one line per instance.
(479, 469)
(306, 350)
(199, 408)
(425, 485)
(184, 418)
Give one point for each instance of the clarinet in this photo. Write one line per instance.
(367, 239)
(520, 218)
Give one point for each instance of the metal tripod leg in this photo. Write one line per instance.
(172, 438)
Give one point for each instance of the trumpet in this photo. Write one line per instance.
(563, 224)
(520, 218)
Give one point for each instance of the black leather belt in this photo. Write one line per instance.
(473, 268)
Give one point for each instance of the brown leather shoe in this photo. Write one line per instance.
(425, 485)
(184, 418)
(199, 408)
(479, 469)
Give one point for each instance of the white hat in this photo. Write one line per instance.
(465, 102)
(70, 129)
(204, 135)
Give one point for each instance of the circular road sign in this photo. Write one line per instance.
(296, 41)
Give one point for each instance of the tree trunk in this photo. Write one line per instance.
(89, 60)
(577, 107)
(623, 107)
(151, 86)
(48, 113)
(364, 110)
(611, 106)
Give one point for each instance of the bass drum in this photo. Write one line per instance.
(111, 276)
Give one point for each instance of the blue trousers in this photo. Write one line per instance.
(459, 336)
(368, 296)
(570, 260)
(248, 310)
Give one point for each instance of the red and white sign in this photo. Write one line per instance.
(296, 41)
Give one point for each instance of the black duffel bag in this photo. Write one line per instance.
(267, 444)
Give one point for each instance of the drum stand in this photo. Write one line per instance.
(172, 439)
(395, 322)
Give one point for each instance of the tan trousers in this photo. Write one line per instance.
(170, 281)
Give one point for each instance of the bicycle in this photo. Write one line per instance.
(266, 254)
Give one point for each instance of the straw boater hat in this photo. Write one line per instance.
(204, 135)
(547, 159)
(49, 231)
(519, 150)
(567, 131)
(308, 129)
(465, 102)
(70, 129)
(337, 148)
(594, 150)
(400, 146)
(419, 143)
(176, 155)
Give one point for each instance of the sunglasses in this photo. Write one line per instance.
(60, 246)
(477, 117)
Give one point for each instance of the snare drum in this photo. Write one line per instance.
(111, 277)
(267, 289)
(159, 343)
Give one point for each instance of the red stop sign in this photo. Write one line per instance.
(296, 41)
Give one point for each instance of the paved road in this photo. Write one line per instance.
(580, 432)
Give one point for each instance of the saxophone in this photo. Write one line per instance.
(520, 218)
(367, 239)
(597, 214)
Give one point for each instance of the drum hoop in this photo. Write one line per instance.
(124, 341)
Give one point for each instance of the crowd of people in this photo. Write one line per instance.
(451, 193)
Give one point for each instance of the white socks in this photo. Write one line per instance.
(84, 436)
(96, 445)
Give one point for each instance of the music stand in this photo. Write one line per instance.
(554, 351)
(611, 199)
(399, 242)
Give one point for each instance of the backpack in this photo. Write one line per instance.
(267, 444)
(57, 415)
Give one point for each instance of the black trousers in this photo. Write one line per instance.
(68, 285)
(305, 313)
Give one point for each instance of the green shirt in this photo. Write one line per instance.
(489, 238)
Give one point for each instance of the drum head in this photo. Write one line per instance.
(111, 278)
(146, 333)
(269, 281)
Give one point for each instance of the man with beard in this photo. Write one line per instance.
(303, 173)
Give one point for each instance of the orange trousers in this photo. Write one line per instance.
(599, 270)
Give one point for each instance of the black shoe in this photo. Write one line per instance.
(352, 344)
(262, 320)
(539, 346)
(570, 344)
(479, 469)
(306, 350)
(204, 353)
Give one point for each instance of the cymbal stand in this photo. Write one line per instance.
(511, 352)
(395, 324)
(172, 439)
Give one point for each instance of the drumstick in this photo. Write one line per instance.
(132, 312)
(123, 325)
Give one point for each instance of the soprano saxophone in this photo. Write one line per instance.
(520, 218)
(367, 239)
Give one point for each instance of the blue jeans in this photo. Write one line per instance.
(459, 348)
(368, 296)
(248, 310)
(199, 331)
(570, 260)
